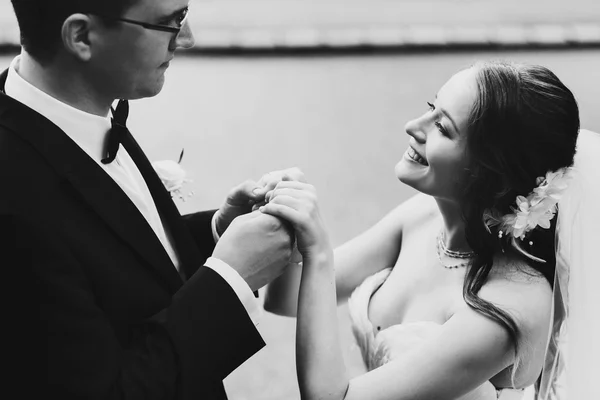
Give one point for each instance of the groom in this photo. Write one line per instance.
(110, 292)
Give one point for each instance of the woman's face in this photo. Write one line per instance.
(435, 160)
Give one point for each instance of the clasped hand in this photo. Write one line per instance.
(297, 203)
(257, 245)
(250, 195)
(294, 201)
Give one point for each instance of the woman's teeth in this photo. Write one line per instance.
(414, 156)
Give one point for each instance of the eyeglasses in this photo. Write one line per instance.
(179, 20)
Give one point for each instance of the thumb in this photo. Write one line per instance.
(243, 193)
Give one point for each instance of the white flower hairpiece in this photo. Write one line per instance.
(537, 209)
(173, 176)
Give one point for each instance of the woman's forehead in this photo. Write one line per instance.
(458, 95)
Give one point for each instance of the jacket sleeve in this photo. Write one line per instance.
(199, 224)
(66, 346)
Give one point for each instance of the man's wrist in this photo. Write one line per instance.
(239, 286)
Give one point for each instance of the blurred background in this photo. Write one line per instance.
(328, 86)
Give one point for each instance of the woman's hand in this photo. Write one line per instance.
(269, 180)
(319, 359)
(296, 202)
(250, 195)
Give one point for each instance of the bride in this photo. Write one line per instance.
(454, 294)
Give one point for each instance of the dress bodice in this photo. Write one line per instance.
(380, 347)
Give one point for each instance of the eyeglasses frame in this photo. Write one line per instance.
(147, 25)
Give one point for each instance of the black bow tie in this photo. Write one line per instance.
(117, 131)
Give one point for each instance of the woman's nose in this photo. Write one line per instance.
(413, 128)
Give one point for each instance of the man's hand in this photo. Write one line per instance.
(239, 201)
(258, 246)
(250, 195)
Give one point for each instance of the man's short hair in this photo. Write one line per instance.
(40, 21)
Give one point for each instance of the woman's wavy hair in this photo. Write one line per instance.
(524, 123)
(40, 21)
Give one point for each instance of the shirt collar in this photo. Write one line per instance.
(87, 130)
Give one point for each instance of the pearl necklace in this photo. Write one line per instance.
(441, 248)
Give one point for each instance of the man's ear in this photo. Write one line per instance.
(76, 36)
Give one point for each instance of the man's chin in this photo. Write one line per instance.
(148, 90)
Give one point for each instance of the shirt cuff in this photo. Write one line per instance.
(239, 286)
(213, 225)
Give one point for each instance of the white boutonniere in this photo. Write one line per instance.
(173, 176)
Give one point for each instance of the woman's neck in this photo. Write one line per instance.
(453, 228)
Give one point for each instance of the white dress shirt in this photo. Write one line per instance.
(89, 132)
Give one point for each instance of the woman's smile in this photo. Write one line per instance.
(412, 155)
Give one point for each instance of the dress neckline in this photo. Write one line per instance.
(359, 314)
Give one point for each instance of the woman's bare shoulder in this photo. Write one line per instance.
(526, 295)
(520, 289)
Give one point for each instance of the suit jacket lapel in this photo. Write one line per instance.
(93, 183)
(189, 255)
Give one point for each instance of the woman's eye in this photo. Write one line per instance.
(441, 128)
(438, 125)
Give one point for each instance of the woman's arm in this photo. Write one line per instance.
(469, 348)
(371, 251)
(466, 351)
(378, 248)
(319, 358)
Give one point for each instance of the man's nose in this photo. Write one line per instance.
(185, 38)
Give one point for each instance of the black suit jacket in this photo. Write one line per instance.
(92, 304)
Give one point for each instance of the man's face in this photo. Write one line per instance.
(128, 60)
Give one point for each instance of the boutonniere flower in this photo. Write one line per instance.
(173, 176)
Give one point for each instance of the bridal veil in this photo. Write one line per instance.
(573, 352)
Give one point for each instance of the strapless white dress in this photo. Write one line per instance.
(378, 348)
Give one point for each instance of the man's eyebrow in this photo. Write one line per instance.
(174, 14)
(449, 117)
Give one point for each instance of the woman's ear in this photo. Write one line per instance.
(76, 36)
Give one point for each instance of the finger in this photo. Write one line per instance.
(296, 185)
(271, 179)
(289, 192)
(282, 211)
(289, 201)
(294, 174)
(264, 179)
(270, 195)
(242, 194)
(293, 188)
(267, 182)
